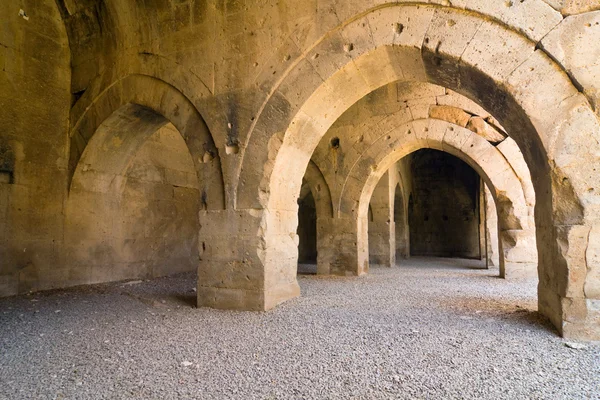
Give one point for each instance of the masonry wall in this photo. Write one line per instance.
(146, 226)
(160, 208)
(34, 115)
(444, 211)
(248, 68)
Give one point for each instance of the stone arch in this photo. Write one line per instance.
(393, 105)
(354, 139)
(166, 101)
(158, 67)
(134, 199)
(499, 69)
(517, 232)
(105, 140)
(319, 189)
(432, 133)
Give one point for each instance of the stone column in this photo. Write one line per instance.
(491, 230)
(243, 265)
(572, 302)
(401, 198)
(517, 237)
(382, 231)
(517, 241)
(482, 222)
(402, 237)
(519, 253)
(342, 246)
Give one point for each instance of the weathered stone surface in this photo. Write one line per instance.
(252, 89)
(573, 43)
(485, 130)
(456, 115)
(382, 229)
(571, 7)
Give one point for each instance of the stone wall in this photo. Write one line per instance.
(159, 212)
(144, 226)
(444, 207)
(35, 97)
(254, 87)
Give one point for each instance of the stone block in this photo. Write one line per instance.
(300, 83)
(357, 37)
(534, 18)
(451, 114)
(230, 299)
(485, 130)
(404, 26)
(592, 257)
(572, 44)
(450, 32)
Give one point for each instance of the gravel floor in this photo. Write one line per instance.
(429, 329)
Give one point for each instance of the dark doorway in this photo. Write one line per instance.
(444, 211)
(307, 230)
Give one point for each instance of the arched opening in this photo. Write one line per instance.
(444, 218)
(307, 234)
(388, 153)
(133, 205)
(105, 135)
(434, 47)
(516, 231)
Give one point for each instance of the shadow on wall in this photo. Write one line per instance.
(444, 212)
(307, 230)
(138, 220)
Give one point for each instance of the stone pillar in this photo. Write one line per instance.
(482, 222)
(519, 254)
(572, 300)
(402, 237)
(491, 230)
(517, 240)
(382, 230)
(326, 251)
(243, 265)
(342, 246)
(401, 199)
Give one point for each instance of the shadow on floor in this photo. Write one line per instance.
(444, 263)
(175, 290)
(307, 269)
(416, 261)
